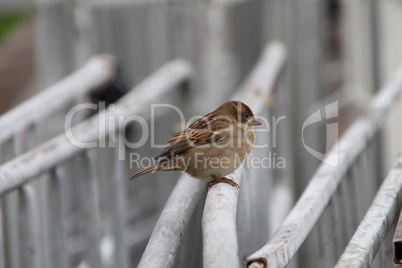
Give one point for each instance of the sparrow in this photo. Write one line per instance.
(211, 147)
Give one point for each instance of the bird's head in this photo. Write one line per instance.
(238, 112)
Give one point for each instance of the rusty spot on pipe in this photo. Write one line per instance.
(399, 165)
(257, 92)
(270, 102)
(49, 148)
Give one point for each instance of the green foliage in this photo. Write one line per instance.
(8, 21)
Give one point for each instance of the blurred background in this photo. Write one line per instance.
(337, 50)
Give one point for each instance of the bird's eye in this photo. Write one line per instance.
(246, 116)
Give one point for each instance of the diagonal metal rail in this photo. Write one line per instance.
(220, 242)
(46, 160)
(168, 232)
(16, 136)
(280, 249)
(26, 167)
(98, 71)
(366, 241)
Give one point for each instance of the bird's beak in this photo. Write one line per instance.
(254, 122)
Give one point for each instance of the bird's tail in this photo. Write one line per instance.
(144, 171)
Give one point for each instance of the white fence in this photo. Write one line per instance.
(72, 172)
(27, 126)
(323, 220)
(337, 196)
(66, 206)
(219, 226)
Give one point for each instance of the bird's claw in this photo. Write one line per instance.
(225, 180)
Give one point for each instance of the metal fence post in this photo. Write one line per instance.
(28, 227)
(57, 221)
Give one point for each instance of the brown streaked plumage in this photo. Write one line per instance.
(224, 136)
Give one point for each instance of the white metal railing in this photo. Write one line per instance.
(168, 233)
(326, 207)
(98, 71)
(24, 168)
(337, 213)
(43, 242)
(25, 126)
(365, 243)
(219, 220)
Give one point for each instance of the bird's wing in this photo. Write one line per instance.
(203, 131)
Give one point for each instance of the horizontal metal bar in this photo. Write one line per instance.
(45, 157)
(292, 233)
(220, 248)
(366, 241)
(95, 73)
(257, 89)
(168, 232)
